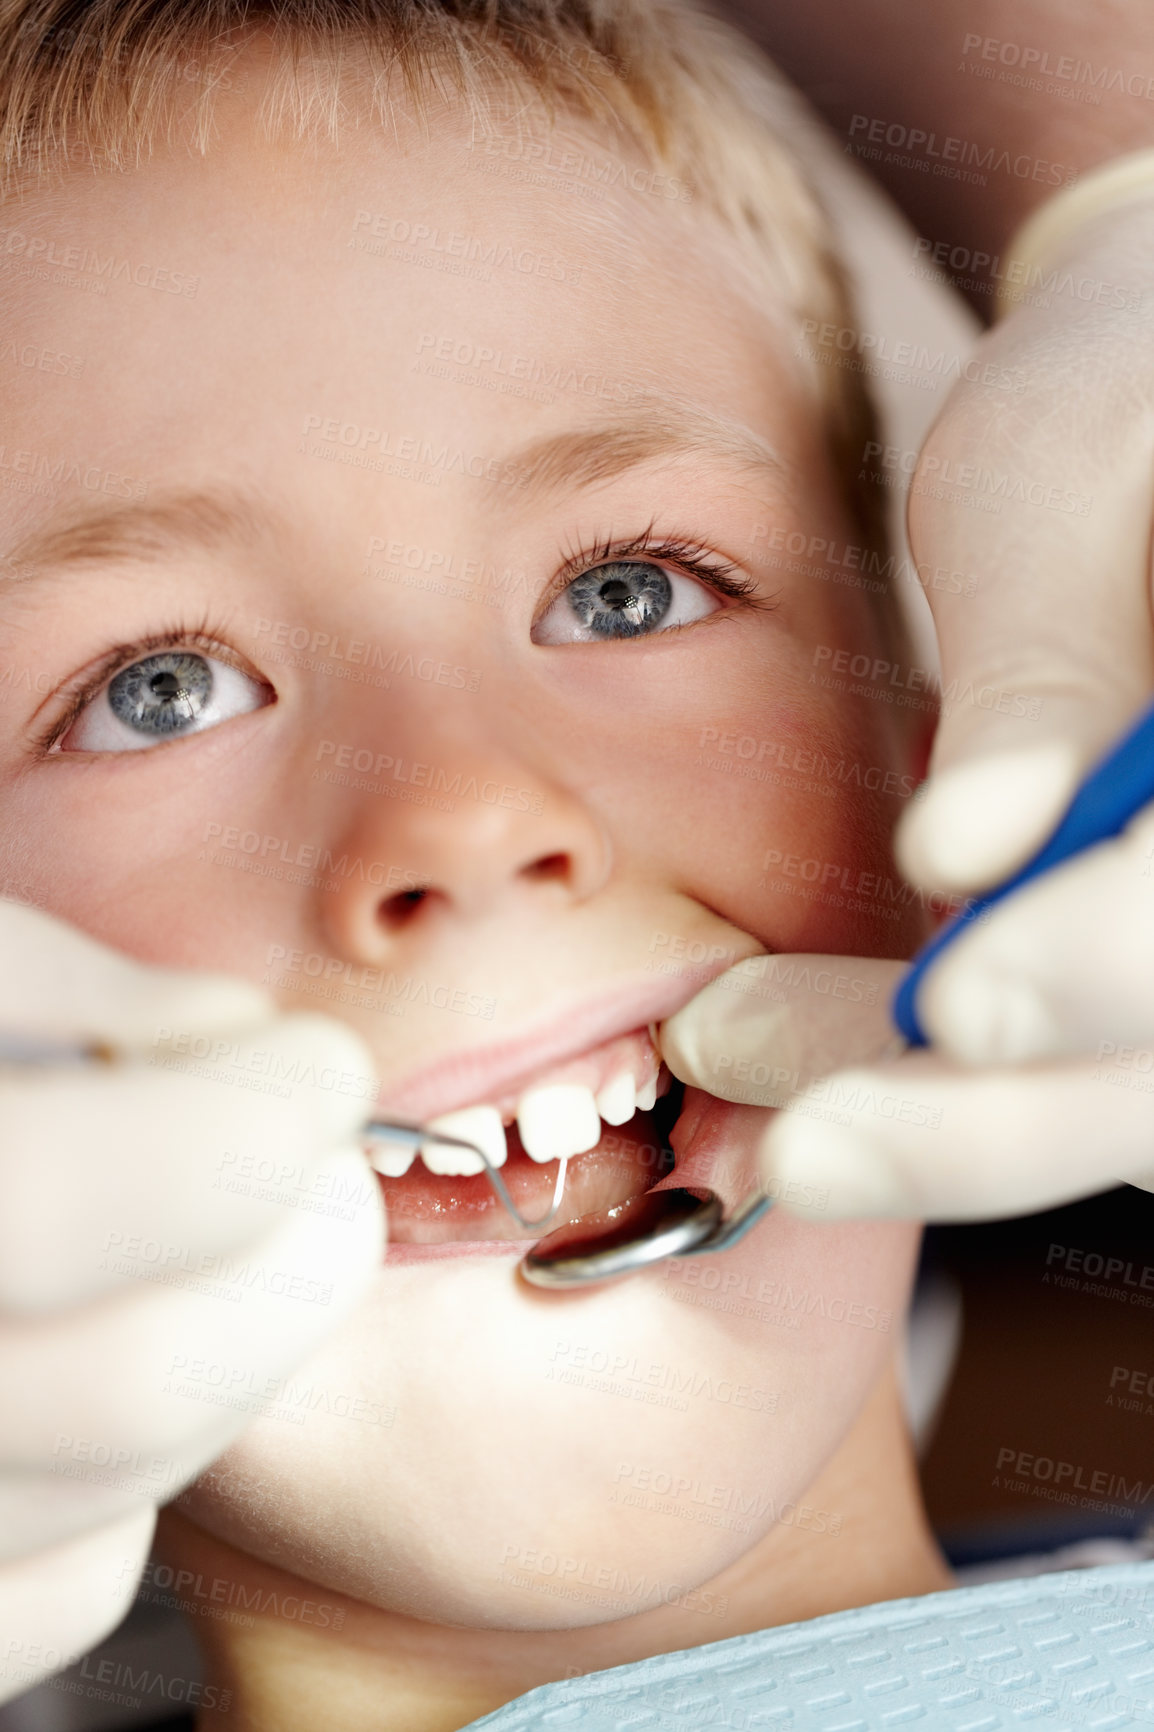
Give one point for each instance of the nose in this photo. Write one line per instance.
(511, 845)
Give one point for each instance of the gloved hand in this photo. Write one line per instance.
(147, 1220)
(1040, 1084)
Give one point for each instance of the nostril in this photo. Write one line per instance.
(396, 911)
(550, 868)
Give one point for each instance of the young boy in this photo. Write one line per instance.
(394, 598)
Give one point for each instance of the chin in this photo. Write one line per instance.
(547, 1461)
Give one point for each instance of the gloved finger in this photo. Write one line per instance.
(61, 985)
(101, 1167)
(924, 1140)
(57, 1605)
(39, 1510)
(761, 1032)
(1043, 495)
(1062, 968)
(130, 1399)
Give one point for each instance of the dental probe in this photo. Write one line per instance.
(602, 1246)
(412, 1137)
(1108, 797)
(24, 1049)
(17, 1048)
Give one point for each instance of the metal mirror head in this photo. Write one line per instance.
(622, 1240)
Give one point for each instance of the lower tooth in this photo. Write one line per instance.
(480, 1125)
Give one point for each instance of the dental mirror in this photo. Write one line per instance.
(684, 1221)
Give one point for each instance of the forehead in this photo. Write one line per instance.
(520, 253)
(436, 288)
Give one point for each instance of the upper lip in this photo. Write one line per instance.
(568, 1029)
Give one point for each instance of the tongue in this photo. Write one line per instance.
(424, 1208)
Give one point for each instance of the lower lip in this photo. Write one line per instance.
(716, 1145)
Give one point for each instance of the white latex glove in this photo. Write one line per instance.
(919, 1136)
(1051, 656)
(1040, 1084)
(123, 1248)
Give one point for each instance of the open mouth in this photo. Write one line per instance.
(610, 1111)
(585, 1082)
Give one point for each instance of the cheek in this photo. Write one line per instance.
(793, 792)
(537, 1461)
(173, 862)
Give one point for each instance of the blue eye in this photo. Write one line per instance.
(164, 694)
(626, 598)
(162, 697)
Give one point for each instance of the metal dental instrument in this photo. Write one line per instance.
(1112, 793)
(412, 1136)
(679, 1221)
(17, 1048)
(683, 1221)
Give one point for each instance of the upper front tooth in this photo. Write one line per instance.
(388, 1159)
(617, 1101)
(647, 1094)
(557, 1120)
(480, 1125)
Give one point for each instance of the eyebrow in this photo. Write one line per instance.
(667, 429)
(205, 519)
(208, 519)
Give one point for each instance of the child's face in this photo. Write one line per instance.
(427, 379)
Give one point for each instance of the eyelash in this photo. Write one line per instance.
(688, 557)
(207, 636)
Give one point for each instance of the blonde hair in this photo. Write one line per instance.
(99, 81)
